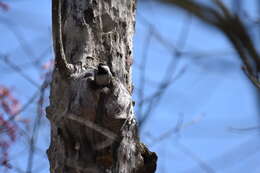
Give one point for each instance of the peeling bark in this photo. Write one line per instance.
(93, 127)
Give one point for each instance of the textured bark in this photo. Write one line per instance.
(93, 128)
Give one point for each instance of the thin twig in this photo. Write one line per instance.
(37, 122)
(18, 70)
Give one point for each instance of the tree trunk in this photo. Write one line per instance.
(93, 128)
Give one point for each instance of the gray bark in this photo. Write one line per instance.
(93, 127)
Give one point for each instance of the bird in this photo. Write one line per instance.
(103, 75)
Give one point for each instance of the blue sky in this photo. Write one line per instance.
(212, 88)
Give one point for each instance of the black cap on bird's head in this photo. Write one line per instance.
(103, 69)
(103, 75)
